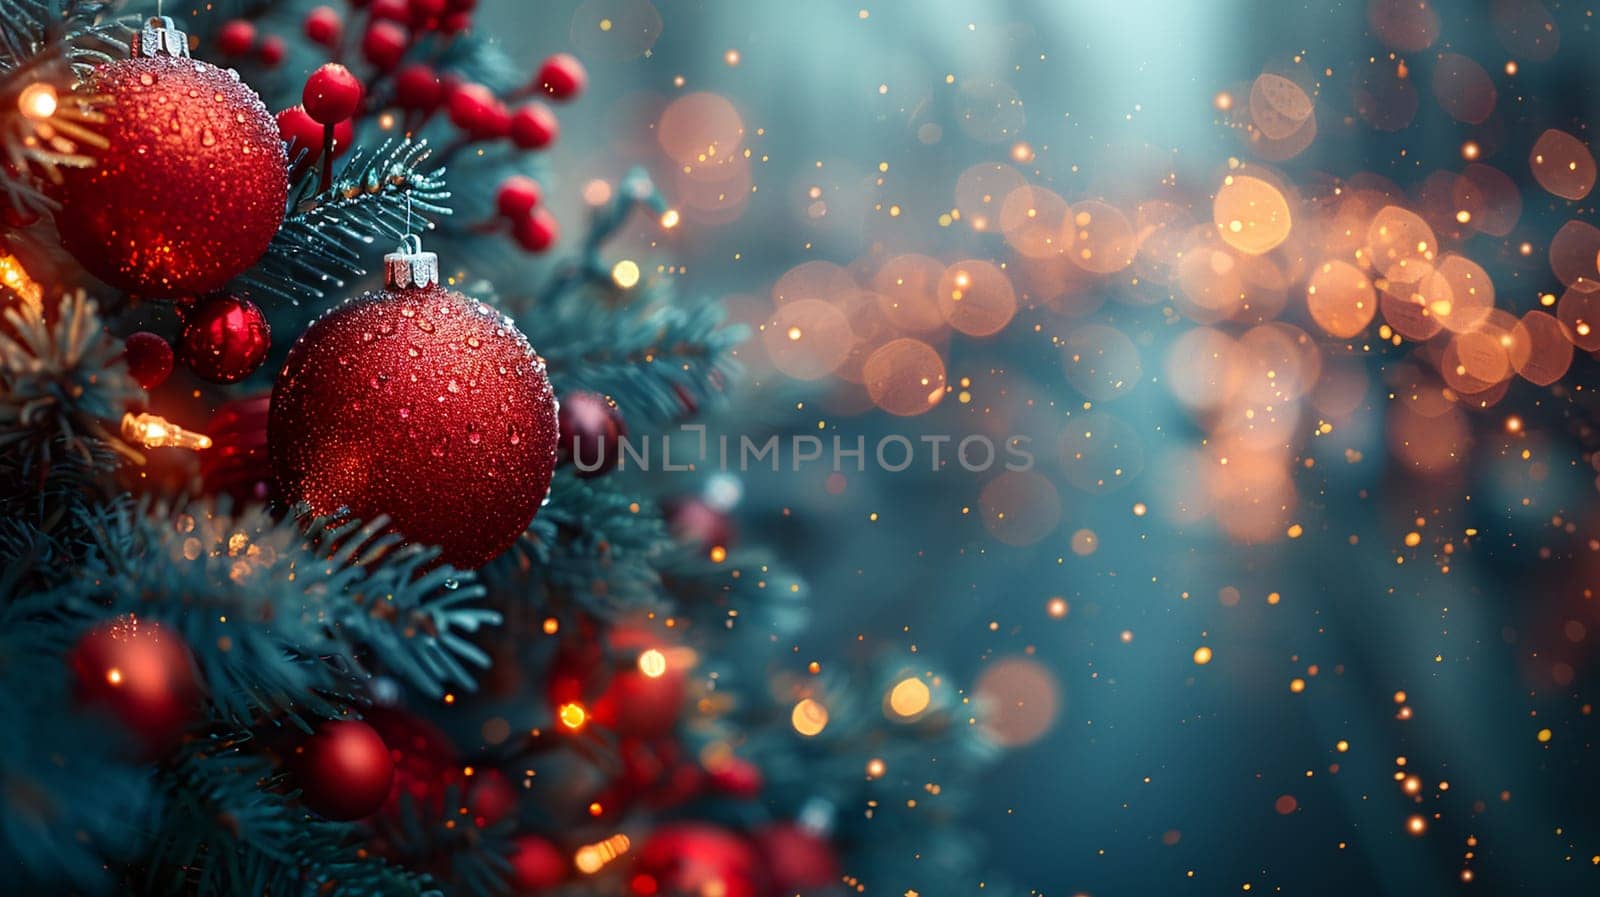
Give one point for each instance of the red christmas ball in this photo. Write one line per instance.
(625, 693)
(304, 133)
(562, 76)
(591, 433)
(225, 339)
(689, 858)
(417, 87)
(149, 358)
(384, 43)
(141, 672)
(343, 770)
(426, 763)
(534, 126)
(536, 231)
(331, 94)
(517, 196)
(191, 188)
(536, 865)
(797, 859)
(237, 464)
(491, 797)
(236, 38)
(272, 51)
(323, 26)
(736, 777)
(422, 405)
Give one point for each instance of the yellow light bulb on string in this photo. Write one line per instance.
(38, 102)
(155, 431)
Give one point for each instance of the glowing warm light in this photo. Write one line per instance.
(625, 273)
(653, 663)
(876, 768)
(38, 101)
(16, 279)
(717, 554)
(1416, 825)
(1202, 655)
(591, 858)
(155, 431)
(597, 192)
(573, 716)
(1251, 215)
(551, 626)
(670, 219)
(809, 717)
(909, 697)
(1057, 607)
(114, 676)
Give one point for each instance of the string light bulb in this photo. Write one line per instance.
(155, 431)
(39, 101)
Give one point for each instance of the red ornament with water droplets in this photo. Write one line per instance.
(421, 405)
(192, 185)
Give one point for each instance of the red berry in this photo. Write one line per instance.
(562, 77)
(391, 10)
(537, 231)
(384, 44)
(331, 94)
(517, 197)
(323, 26)
(149, 358)
(236, 38)
(359, 4)
(475, 110)
(417, 87)
(461, 5)
(272, 51)
(426, 10)
(302, 132)
(455, 23)
(534, 126)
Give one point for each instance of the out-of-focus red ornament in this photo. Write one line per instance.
(191, 188)
(149, 358)
(235, 38)
(736, 777)
(591, 433)
(417, 87)
(536, 231)
(689, 858)
(534, 126)
(797, 859)
(343, 770)
(562, 77)
(332, 94)
(517, 196)
(421, 405)
(384, 44)
(141, 672)
(536, 865)
(272, 51)
(426, 763)
(225, 339)
(490, 797)
(625, 691)
(237, 464)
(391, 10)
(698, 525)
(324, 27)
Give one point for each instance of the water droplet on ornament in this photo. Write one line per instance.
(405, 413)
(473, 342)
(344, 361)
(409, 312)
(366, 336)
(147, 79)
(425, 325)
(473, 436)
(413, 352)
(453, 386)
(516, 438)
(207, 138)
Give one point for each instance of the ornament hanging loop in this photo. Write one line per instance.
(160, 37)
(410, 266)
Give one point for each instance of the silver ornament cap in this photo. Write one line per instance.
(410, 266)
(160, 37)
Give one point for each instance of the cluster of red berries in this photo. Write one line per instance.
(389, 31)
(239, 39)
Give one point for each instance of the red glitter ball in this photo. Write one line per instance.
(422, 405)
(225, 339)
(191, 188)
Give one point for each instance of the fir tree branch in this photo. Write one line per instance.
(377, 197)
(598, 546)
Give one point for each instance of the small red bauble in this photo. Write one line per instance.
(736, 777)
(181, 128)
(478, 112)
(695, 858)
(323, 26)
(536, 865)
(536, 231)
(236, 38)
(591, 430)
(272, 51)
(141, 672)
(562, 77)
(225, 339)
(305, 134)
(237, 463)
(423, 11)
(149, 358)
(517, 196)
(383, 44)
(534, 126)
(421, 405)
(417, 87)
(455, 23)
(797, 859)
(331, 94)
(344, 770)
